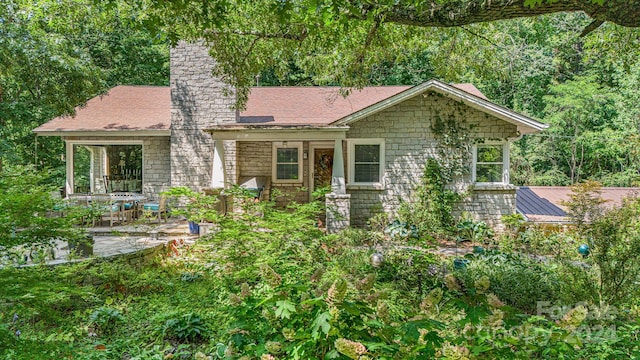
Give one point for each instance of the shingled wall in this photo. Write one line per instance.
(409, 142)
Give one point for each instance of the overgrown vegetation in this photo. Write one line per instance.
(431, 209)
(32, 218)
(269, 284)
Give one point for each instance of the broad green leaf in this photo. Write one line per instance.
(321, 322)
(284, 309)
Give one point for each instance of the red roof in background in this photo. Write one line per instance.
(544, 203)
(122, 108)
(127, 108)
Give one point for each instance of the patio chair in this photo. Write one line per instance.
(58, 207)
(106, 208)
(157, 208)
(128, 203)
(80, 200)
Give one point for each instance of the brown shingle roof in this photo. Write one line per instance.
(122, 108)
(309, 105)
(129, 108)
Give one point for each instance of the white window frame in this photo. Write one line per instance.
(352, 159)
(505, 161)
(274, 162)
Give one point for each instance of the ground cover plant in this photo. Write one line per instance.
(271, 285)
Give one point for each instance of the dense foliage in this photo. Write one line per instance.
(54, 56)
(270, 285)
(31, 219)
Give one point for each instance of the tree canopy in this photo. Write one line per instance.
(55, 55)
(338, 41)
(573, 64)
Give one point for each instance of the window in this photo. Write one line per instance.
(491, 163)
(287, 161)
(366, 161)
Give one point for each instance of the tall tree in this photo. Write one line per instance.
(55, 55)
(339, 41)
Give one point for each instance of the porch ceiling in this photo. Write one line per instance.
(272, 133)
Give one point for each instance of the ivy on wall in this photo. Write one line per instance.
(455, 142)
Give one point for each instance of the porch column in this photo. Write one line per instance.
(218, 171)
(337, 175)
(68, 187)
(338, 202)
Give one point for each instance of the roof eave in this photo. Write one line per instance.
(270, 133)
(106, 133)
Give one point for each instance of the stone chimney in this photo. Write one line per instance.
(198, 102)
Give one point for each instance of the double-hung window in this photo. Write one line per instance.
(491, 163)
(287, 162)
(366, 163)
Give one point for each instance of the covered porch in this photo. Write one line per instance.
(295, 161)
(104, 166)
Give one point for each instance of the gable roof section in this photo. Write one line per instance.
(309, 105)
(524, 123)
(134, 109)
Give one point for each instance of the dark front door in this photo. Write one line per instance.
(322, 167)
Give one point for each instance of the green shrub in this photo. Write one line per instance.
(194, 206)
(410, 270)
(517, 280)
(188, 327)
(27, 204)
(105, 320)
(430, 211)
(474, 231)
(615, 250)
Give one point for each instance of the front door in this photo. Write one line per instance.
(322, 167)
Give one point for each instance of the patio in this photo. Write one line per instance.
(118, 241)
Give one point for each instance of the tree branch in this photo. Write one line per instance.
(463, 12)
(286, 36)
(594, 25)
(370, 35)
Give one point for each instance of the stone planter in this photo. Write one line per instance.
(194, 228)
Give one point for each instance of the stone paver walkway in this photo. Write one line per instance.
(119, 240)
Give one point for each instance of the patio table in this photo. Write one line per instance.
(120, 198)
(123, 198)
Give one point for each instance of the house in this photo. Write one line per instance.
(370, 147)
(545, 204)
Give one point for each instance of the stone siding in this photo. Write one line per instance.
(255, 159)
(198, 102)
(409, 142)
(489, 204)
(338, 212)
(156, 168)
